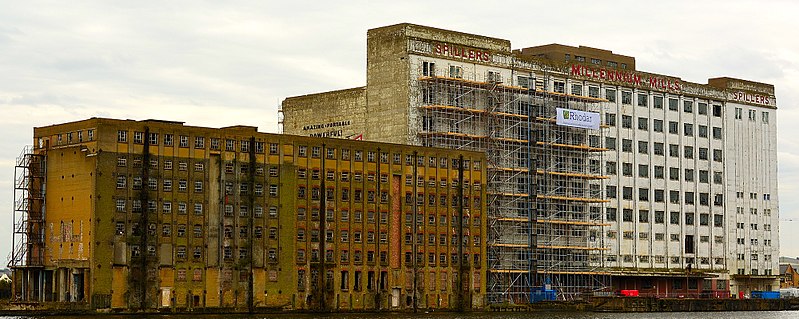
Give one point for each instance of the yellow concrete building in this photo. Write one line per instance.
(155, 214)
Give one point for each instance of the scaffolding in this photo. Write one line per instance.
(543, 191)
(27, 255)
(28, 211)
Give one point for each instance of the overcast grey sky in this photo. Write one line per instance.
(219, 63)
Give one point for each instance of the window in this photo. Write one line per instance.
(627, 169)
(643, 216)
(577, 89)
(765, 117)
(704, 176)
(717, 156)
(559, 87)
(610, 143)
(703, 153)
(455, 71)
(626, 121)
(738, 113)
(428, 68)
(642, 99)
(138, 137)
(659, 195)
(673, 104)
(688, 129)
(610, 95)
(643, 194)
(593, 91)
(689, 175)
(643, 123)
(627, 193)
(702, 131)
(199, 142)
(658, 148)
(674, 197)
(610, 119)
(674, 127)
(716, 110)
(611, 214)
(674, 218)
(627, 145)
(643, 170)
(674, 150)
(688, 151)
(610, 191)
(643, 147)
(657, 125)
(627, 215)
(626, 97)
(688, 106)
(610, 168)
(184, 141)
(657, 102)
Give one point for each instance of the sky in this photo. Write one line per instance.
(222, 63)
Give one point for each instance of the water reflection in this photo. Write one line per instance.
(474, 315)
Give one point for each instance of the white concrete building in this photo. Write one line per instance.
(688, 170)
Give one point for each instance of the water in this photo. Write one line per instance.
(506, 315)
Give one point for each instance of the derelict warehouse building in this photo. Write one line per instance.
(599, 176)
(155, 214)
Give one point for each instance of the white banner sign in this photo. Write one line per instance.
(574, 118)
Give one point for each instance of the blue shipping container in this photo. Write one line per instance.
(765, 295)
(542, 295)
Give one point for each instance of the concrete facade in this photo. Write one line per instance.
(154, 214)
(692, 187)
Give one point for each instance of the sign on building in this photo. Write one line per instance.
(575, 118)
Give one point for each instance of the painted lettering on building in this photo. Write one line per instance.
(461, 52)
(627, 78)
(326, 125)
(754, 98)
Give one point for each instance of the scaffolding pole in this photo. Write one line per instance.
(543, 187)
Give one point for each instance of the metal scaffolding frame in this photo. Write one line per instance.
(28, 239)
(543, 192)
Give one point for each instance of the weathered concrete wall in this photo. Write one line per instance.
(339, 114)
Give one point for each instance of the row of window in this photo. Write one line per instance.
(753, 242)
(752, 115)
(199, 142)
(658, 148)
(180, 230)
(658, 126)
(660, 259)
(631, 235)
(182, 208)
(659, 217)
(357, 176)
(426, 281)
(658, 172)
(199, 166)
(273, 148)
(182, 186)
(659, 196)
(766, 196)
(72, 137)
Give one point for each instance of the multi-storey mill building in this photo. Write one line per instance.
(155, 214)
(675, 193)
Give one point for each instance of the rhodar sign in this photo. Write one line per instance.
(575, 118)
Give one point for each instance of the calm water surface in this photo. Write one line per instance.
(553, 315)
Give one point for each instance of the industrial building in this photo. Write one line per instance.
(151, 214)
(600, 177)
